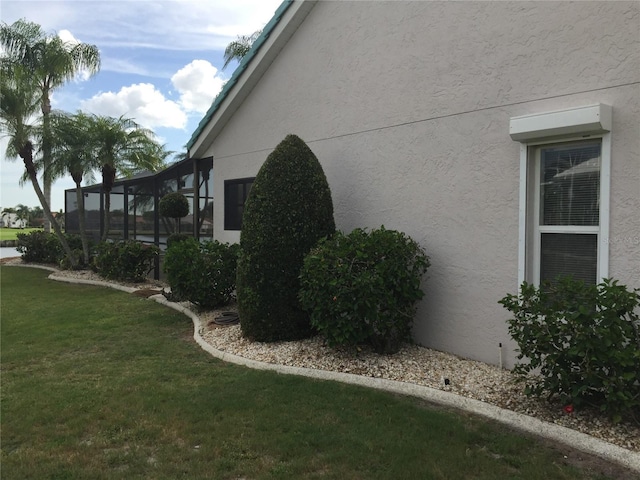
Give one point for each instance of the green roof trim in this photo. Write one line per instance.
(266, 31)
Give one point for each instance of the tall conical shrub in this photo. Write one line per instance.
(288, 210)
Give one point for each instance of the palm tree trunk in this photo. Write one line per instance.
(108, 179)
(107, 214)
(46, 153)
(26, 153)
(82, 223)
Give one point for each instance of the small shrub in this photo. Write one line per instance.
(177, 237)
(39, 246)
(203, 273)
(173, 205)
(288, 210)
(581, 343)
(127, 260)
(363, 287)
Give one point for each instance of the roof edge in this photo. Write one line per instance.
(240, 69)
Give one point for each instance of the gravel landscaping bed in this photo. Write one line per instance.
(421, 366)
(413, 364)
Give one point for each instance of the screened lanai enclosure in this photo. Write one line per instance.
(134, 205)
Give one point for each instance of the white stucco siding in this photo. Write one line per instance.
(624, 234)
(407, 107)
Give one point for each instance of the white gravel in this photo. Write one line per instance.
(413, 364)
(421, 366)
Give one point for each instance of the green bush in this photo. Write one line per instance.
(75, 243)
(126, 260)
(363, 287)
(203, 273)
(581, 343)
(288, 210)
(177, 237)
(173, 205)
(39, 246)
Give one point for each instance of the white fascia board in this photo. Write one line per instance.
(278, 38)
(582, 120)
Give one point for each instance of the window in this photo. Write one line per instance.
(564, 193)
(567, 197)
(235, 195)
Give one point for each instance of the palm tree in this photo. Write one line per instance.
(237, 49)
(5, 215)
(123, 147)
(22, 212)
(74, 153)
(52, 63)
(18, 103)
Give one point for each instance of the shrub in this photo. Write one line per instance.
(39, 246)
(363, 287)
(288, 210)
(173, 205)
(203, 273)
(126, 260)
(581, 341)
(177, 237)
(42, 247)
(75, 243)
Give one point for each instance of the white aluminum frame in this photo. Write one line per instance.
(562, 126)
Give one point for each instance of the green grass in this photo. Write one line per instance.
(12, 233)
(98, 384)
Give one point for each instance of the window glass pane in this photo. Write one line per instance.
(570, 184)
(569, 254)
(235, 194)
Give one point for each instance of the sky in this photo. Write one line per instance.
(161, 64)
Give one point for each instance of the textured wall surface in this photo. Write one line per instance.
(407, 107)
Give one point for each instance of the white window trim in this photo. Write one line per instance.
(593, 121)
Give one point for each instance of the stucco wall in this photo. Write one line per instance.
(407, 107)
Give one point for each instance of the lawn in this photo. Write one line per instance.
(99, 384)
(12, 233)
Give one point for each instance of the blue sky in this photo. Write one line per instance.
(161, 65)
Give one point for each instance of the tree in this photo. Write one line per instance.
(5, 215)
(51, 62)
(288, 210)
(18, 104)
(22, 212)
(176, 206)
(122, 146)
(36, 216)
(237, 49)
(74, 153)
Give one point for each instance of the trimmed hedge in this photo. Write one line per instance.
(202, 273)
(173, 205)
(288, 210)
(126, 260)
(363, 287)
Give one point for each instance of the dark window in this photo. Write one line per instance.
(235, 194)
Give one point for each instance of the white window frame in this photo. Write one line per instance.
(582, 123)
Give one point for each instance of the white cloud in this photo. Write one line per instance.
(178, 24)
(67, 37)
(141, 102)
(198, 83)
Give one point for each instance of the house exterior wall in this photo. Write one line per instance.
(407, 107)
(11, 220)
